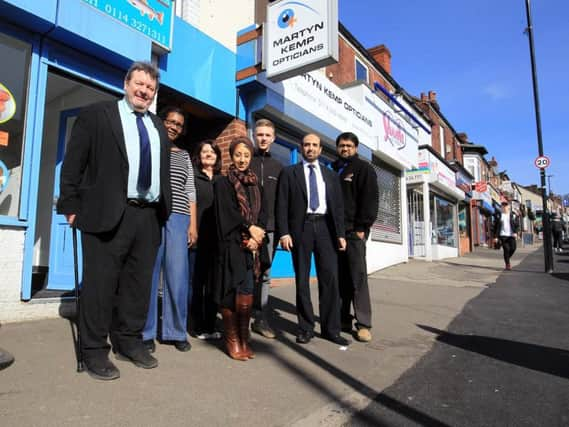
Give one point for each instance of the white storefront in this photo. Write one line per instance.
(311, 102)
(433, 198)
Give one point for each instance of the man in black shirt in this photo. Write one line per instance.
(360, 190)
(267, 170)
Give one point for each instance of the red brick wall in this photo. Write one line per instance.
(344, 71)
(234, 129)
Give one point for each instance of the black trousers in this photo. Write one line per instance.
(557, 239)
(509, 247)
(117, 278)
(353, 282)
(203, 310)
(317, 238)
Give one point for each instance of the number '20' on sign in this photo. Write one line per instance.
(542, 162)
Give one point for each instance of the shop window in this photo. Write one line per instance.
(387, 226)
(13, 98)
(442, 220)
(361, 71)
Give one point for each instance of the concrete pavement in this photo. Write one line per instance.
(287, 384)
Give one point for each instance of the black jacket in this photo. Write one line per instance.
(233, 261)
(267, 170)
(94, 175)
(207, 233)
(359, 187)
(514, 224)
(292, 202)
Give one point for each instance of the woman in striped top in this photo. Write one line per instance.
(179, 232)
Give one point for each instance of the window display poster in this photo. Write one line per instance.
(13, 95)
(7, 104)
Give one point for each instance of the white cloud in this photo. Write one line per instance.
(496, 91)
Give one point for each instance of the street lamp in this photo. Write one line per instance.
(547, 244)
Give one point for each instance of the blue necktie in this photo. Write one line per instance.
(314, 203)
(145, 163)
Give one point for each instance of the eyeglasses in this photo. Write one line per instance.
(174, 123)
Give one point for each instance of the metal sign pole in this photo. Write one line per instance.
(547, 243)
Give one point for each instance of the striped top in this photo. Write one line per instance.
(182, 182)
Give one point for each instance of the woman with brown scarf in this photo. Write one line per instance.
(240, 219)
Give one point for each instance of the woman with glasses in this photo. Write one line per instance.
(179, 232)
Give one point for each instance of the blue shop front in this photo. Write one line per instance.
(60, 55)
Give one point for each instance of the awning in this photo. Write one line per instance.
(487, 207)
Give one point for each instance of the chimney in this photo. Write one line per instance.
(382, 56)
(463, 137)
(432, 96)
(423, 97)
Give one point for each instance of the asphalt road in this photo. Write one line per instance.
(503, 361)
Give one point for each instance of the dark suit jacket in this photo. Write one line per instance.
(292, 202)
(94, 175)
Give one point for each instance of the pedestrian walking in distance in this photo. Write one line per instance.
(506, 227)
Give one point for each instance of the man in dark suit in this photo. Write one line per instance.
(115, 188)
(310, 219)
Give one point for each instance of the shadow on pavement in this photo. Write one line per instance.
(352, 382)
(554, 361)
(483, 267)
(562, 276)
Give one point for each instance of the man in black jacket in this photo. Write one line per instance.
(267, 170)
(115, 188)
(359, 187)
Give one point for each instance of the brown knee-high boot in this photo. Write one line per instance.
(244, 305)
(231, 334)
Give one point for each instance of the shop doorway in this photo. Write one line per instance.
(53, 251)
(417, 247)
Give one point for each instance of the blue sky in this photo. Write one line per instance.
(475, 55)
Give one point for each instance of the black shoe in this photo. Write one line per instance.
(182, 346)
(337, 339)
(6, 359)
(347, 327)
(140, 358)
(103, 370)
(304, 337)
(149, 345)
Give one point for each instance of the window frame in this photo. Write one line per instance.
(356, 61)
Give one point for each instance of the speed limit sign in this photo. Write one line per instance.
(542, 162)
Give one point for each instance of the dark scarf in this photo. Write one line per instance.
(249, 208)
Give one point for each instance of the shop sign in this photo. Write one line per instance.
(422, 171)
(463, 182)
(481, 186)
(153, 18)
(494, 194)
(482, 195)
(299, 36)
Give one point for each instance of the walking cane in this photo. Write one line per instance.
(76, 268)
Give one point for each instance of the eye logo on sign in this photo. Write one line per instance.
(287, 19)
